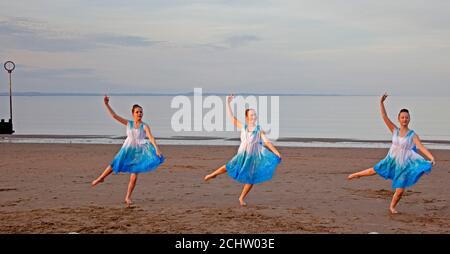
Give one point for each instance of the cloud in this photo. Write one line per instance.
(55, 73)
(37, 79)
(230, 42)
(240, 40)
(22, 33)
(131, 41)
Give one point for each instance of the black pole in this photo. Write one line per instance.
(10, 97)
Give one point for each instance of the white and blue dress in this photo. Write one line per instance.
(403, 165)
(253, 162)
(137, 154)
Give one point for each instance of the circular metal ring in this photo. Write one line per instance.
(9, 66)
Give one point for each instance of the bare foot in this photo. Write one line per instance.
(128, 202)
(393, 211)
(97, 181)
(208, 177)
(242, 203)
(350, 177)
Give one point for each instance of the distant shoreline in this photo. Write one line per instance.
(175, 94)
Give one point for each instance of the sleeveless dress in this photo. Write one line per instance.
(253, 162)
(137, 154)
(403, 165)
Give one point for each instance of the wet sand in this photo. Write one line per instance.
(45, 188)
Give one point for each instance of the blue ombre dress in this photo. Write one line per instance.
(253, 162)
(403, 165)
(137, 154)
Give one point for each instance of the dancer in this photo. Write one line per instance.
(137, 154)
(403, 165)
(253, 162)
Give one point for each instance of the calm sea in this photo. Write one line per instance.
(316, 117)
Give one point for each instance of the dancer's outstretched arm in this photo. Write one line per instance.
(230, 112)
(152, 139)
(269, 144)
(422, 148)
(386, 119)
(112, 113)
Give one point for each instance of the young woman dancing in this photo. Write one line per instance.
(403, 165)
(137, 155)
(253, 163)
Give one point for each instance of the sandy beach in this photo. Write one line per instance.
(45, 188)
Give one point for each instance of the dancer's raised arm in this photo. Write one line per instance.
(112, 113)
(269, 144)
(423, 149)
(230, 112)
(386, 119)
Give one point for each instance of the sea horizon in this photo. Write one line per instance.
(33, 93)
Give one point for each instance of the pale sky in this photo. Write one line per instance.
(284, 46)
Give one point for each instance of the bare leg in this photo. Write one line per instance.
(219, 171)
(131, 185)
(102, 177)
(395, 199)
(367, 172)
(245, 191)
